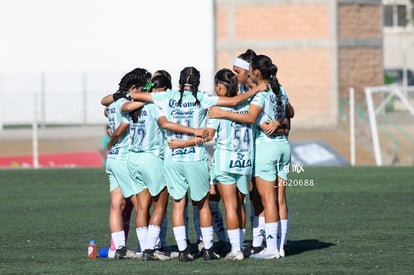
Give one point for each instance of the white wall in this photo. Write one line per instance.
(399, 48)
(97, 40)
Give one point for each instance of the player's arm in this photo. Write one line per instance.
(236, 100)
(108, 99)
(175, 127)
(176, 143)
(248, 118)
(131, 106)
(144, 97)
(116, 134)
(275, 127)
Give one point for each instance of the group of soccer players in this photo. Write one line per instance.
(158, 151)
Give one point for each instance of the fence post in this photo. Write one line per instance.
(1, 100)
(84, 99)
(352, 124)
(35, 136)
(373, 126)
(42, 99)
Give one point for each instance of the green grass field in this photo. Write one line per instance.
(352, 220)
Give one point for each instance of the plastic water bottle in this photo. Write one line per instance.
(92, 249)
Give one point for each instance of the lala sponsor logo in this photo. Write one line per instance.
(183, 151)
(240, 162)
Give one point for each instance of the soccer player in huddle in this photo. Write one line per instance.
(187, 168)
(120, 187)
(272, 152)
(232, 162)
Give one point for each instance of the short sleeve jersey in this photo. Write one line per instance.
(234, 143)
(268, 102)
(146, 135)
(115, 117)
(187, 114)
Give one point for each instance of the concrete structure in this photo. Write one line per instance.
(321, 47)
(398, 34)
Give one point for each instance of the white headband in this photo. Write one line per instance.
(241, 63)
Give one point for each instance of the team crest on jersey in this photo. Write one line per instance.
(183, 151)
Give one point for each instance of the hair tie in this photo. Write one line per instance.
(149, 86)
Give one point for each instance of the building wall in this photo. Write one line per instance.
(360, 58)
(399, 48)
(301, 37)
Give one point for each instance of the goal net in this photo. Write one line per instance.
(391, 119)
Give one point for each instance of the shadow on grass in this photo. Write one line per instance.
(296, 247)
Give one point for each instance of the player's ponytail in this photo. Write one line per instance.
(190, 79)
(269, 71)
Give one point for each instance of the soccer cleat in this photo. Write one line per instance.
(130, 254)
(163, 254)
(185, 256)
(255, 249)
(282, 253)
(124, 253)
(234, 256)
(174, 255)
(209, 254)
(266, 254)
(111, 254)
(120, 253)
(149, 255)
(200, 245)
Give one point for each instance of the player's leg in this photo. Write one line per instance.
(218, 223)
(177, 188)
(283, 170)
(115, 218)
(265, 177)
(158, 202)
(196, 222)
(241, 213)
(258, 226)
(283, 213)
(206, 228)
(141, 218)
(126, 217)
(119, 177)
(180, 230)
(229, 196)
(197, 176)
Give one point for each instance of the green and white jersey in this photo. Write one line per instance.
(115, 117)
(268, 102)
(234, 143)
(146, 135)
(188, 114)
